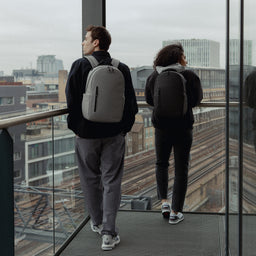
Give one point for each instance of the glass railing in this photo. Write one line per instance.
(206, 181)
(48, 201)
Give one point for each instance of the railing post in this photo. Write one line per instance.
(240, 139)
(227, 245)
(6, 194)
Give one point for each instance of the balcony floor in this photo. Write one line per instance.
(147, 233)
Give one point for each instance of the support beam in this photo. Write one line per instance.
(93, 13)
(6, 194)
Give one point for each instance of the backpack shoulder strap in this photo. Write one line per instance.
(115, 62)
(93, 61)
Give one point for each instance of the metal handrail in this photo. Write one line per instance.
(8, 122)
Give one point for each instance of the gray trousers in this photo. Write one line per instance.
(100, 165)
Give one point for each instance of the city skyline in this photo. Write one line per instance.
(30, 33)
(26, 32)
(248, 54)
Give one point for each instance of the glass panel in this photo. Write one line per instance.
(234, 59)
(137, 37)
(32, 78)
(249, 126)
(69, 208)
(206, 185)
(38, 46)
(47, 190)
(136, 44)
(33, 195)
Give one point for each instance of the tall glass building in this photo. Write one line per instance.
(234, 53)
(199, 52)
(48, 64)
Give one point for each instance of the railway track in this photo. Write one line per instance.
(207, 155)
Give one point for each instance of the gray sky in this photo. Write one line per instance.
(30, 28)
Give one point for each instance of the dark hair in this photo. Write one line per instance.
(168, 55)
(100, 33)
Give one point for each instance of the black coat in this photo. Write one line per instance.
(74, 93)
(194, 97)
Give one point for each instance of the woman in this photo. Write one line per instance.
(174, 132)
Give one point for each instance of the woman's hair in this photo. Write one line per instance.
(168, 55)
(100, 33)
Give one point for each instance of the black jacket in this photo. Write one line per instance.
(194, 97)
(74, 93)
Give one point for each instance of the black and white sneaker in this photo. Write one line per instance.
(109, 242)
(166, 209)
(176, 218)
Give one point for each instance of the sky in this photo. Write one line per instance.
(30, 28)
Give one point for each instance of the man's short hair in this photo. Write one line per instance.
(100, 33)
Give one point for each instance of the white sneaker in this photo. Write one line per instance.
(166, 209)
(109, 242)
(96, 228)
(176, 218)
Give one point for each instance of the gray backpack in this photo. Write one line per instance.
(170, 97)
(103, 100)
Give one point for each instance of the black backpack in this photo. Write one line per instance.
(170, 97)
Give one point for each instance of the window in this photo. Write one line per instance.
(13, 137)
(6, 101)
(22, 136)
(22, 100)
(151, 132)
(145, 122)
(17, 156)
(17, 174)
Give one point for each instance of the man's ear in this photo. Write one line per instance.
(96, 42)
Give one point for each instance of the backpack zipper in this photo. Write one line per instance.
(96, 97)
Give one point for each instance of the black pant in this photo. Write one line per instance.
(180, 141)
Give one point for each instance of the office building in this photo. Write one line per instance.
(13, 103)
(234, 52)
(49, 65)
(199, 52)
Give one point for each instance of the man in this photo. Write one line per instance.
(100, 147)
